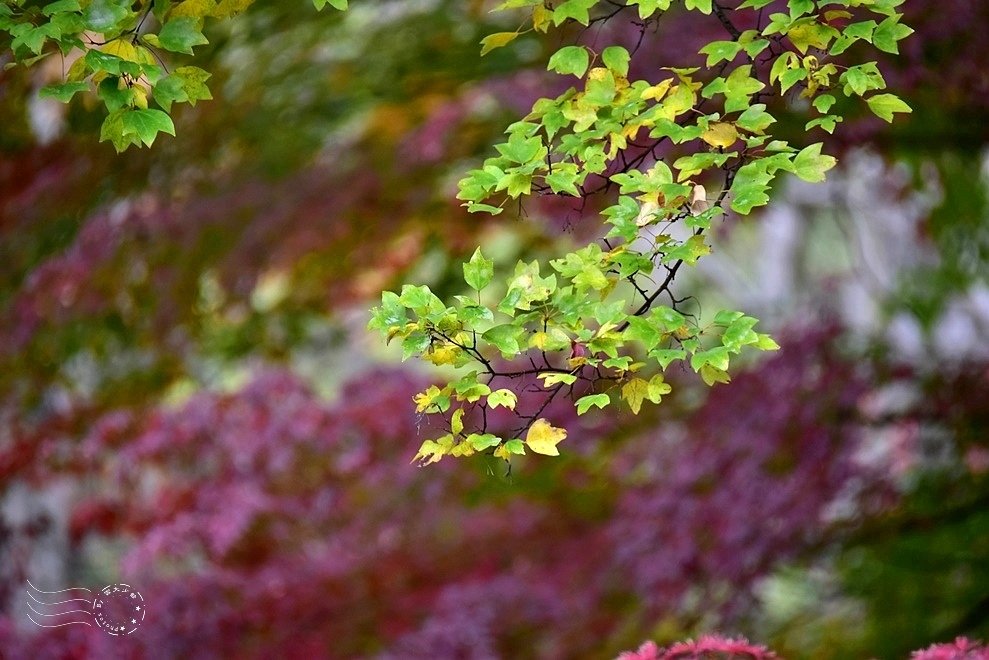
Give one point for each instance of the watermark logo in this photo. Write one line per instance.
(117, 609)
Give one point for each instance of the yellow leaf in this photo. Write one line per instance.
(446, 354)
(720, 134)
(462, 449)
(711, 375)
(634, 391)
(680, 99)
(496, 40)
(193, 9)
(657, 92)
(121, 48)
(432, 451)
(542, 438)
(657, 388)
(457, 421)
(424, 400)
(807, 35)
(140, 97)
(77, 71)
(542, 18)
(229, 8)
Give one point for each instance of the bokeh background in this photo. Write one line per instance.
(189, 401)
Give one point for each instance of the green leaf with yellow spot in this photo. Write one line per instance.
(504, 398)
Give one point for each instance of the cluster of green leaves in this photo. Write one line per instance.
(573, 329)
(119, 51)
(589, 322)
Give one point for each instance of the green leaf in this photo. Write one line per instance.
(824, 102)
(415, 344)
(704, 6)
(717, 357)
(61, 6)
(179, 35)
(106, 16)
(644, 331)
(506, 338)
(739, 86)
(468, 389)
(420, 300)
(810, 165)
(884, 105)
(616, 58)
(63, 91)
(712, 375)
(718, 51)
(665, 356)
(551, 379)
(755, 4)
(860, 30)
(800, 7)
(577, 10)
(667, 318)
(889, 32)
(827, 123)
(563, 180)
(112, 129)
(515, 446)
(791, 77)
(480, 441)
(755, 119)
(146, 124)
(649, 7)
(336, 4)
(504, 398)
(522, 150)
(767, 343)
(740, 333)
(185, 84)
(570, 60)
(478, 272)
(783, 63)
(584, 403)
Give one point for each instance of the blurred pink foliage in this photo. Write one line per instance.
(294, 524)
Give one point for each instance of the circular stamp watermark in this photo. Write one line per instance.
(118, 609)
